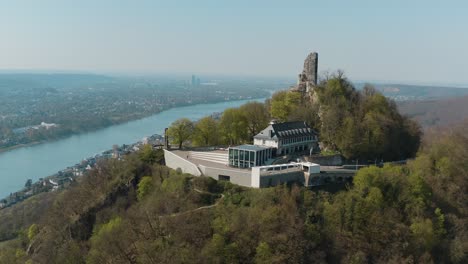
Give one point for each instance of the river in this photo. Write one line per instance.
(42, 160)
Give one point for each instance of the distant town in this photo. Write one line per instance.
(42, 107)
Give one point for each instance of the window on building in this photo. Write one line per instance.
(224, 178)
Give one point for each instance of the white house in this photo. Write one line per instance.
(287, 137)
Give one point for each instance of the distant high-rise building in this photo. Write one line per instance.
(194, 80)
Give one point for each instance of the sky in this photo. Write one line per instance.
(395, 41)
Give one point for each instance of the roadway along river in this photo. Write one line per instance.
(45, 159)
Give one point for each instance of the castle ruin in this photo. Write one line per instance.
(308, 78)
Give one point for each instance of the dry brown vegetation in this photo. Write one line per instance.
(440, 112)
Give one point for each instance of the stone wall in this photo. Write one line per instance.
(308, 78)
(334, 160)
(311, 67)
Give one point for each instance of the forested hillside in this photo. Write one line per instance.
(358, 124)
(138, 211)
(440, 112)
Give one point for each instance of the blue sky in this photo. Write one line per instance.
(402, 41)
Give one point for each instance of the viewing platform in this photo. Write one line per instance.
(215, 164)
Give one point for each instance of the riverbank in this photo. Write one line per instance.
(118, 122)
(2, 150)
(48, 158)
(68, 175)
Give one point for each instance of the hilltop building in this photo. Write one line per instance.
(287, 138)
(247, 156)
(251, 165)
(277, 139)
(254, 165)
(214, 164)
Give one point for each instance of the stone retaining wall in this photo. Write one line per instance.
(334, 160)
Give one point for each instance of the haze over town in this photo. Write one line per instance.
(418, 41)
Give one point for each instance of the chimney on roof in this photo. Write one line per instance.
(273, 121)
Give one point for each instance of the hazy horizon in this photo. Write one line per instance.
(422, 42)
(211, 76)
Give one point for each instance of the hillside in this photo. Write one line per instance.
(138, 211)
(407, 92)
(439, 112)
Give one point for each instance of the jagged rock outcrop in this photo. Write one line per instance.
(308, 78)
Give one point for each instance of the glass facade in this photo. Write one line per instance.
(247, 157)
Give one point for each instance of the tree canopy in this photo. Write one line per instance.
(359, 124)
(206, 132)
(256, 116)
(132, 211)
(283, 104)
(180, 131)
(233, 125)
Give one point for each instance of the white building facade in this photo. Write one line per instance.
(287, 138)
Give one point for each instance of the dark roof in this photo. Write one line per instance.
(249, 147)
(286, 130)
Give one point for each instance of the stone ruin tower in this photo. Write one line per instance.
(308, 78)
